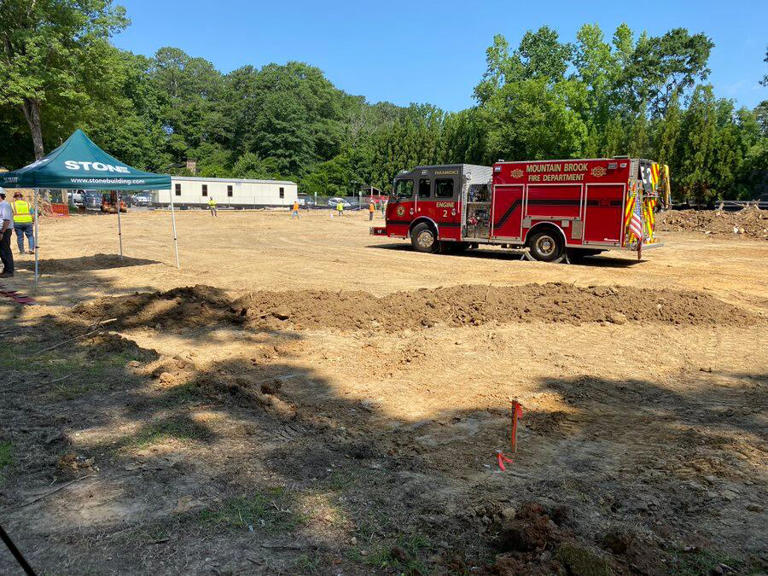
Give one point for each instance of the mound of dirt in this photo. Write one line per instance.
(750, 222)
(182, 308)
(534, 543)
(475, 305)
(178, 308)
(531, 529)
(102, 345)
(95, 262)
(245, 392)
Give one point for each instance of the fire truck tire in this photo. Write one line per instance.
(424, 239)
(546, 246)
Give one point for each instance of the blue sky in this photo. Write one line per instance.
(432, 51)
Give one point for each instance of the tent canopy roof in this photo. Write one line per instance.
(81, 165)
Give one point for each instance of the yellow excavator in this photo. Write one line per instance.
(109, 203)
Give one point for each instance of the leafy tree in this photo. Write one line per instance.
(541, 55)
(698, 145)
(497, 69)
(189, 91)
(54, 50)
(15, 145)
(667, 133)
(464, 138)
(332, 178)
(415, 140)
(662, 66)
(597, 73)
(292, 113)
(249, 165)
(529, 119)
(128, 120)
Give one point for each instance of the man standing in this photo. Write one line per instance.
(6, 229)
(340, 208)
(295, 210)
(22, 222)
(371, 210)
(212, 206)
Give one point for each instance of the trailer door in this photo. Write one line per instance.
(603, 214)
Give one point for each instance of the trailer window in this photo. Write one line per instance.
(425, 185)
(229, 190)
(444, 187)
(205, 189)
(282, 192)
(404, 188)
(178, 189)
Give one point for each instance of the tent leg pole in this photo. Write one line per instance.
(175, 238)
(37, 242)
(119, 227)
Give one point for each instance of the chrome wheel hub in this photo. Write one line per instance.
(425, 240)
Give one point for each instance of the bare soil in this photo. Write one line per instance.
(750, 222)
(302, 398)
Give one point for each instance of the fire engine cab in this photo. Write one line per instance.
(557, 209)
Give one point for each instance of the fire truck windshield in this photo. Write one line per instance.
(404, 188)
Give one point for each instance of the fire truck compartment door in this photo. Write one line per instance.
(553, 201)
(507, 210)
(603, 213)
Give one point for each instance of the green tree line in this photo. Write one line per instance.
(631, 93)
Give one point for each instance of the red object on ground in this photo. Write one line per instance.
(15, 296)
(500, 458)
(59, 210)
(517, 412)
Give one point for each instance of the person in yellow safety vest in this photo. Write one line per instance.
(340, 208)
(371, 210)
(295, 210)
(212, 207)
(23, 223)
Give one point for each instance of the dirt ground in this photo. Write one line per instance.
(750, 221)
(303, 398)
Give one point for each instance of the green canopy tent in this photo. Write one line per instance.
(78, 164)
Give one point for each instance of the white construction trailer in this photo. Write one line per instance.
(193, 191)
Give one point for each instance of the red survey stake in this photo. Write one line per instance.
(517, 413)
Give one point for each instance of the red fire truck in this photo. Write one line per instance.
(558, 209)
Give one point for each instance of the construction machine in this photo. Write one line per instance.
(109, 201)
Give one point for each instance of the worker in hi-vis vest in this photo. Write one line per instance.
(23, 223)
(371, 210)
(295, 210)
(212, 207)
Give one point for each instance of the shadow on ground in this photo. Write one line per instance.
(124, 460)
(83, 264)
(601, 261)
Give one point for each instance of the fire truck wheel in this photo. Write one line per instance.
(423, 238)
(546, 246)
